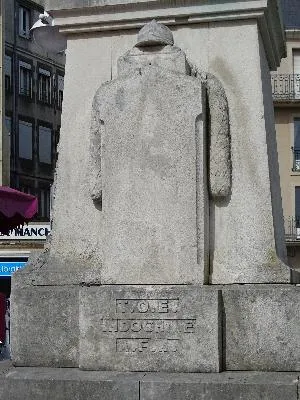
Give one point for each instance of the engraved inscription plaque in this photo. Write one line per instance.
(149, 328)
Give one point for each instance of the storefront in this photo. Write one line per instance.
(15, 249)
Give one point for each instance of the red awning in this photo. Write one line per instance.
(16, 208)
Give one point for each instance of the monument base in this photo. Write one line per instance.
(71, 383)
(183, 328)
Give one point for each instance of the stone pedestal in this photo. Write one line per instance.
(150, 329)
(174, 187)
(70, 384)
(158, 328)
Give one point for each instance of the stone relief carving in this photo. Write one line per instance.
(219, 159)
(159, 148)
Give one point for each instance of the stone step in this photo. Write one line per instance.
(72, 384)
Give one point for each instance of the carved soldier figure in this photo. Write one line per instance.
(160, 149)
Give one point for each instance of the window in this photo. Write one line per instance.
(7, 71)
(24, 22)
(56, 141)
(44, 203)
(60, 91)
(296, 66)
(297, 210)
(44, 79)
(296, 149)
(45, 145)
(25, 188)
(8, 124)
(25, 140)
(25, 79)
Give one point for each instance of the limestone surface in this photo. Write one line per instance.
(148, 151)
(261, 328)
(71, 384)
(154, 328)
(45, 326)
(154, 33)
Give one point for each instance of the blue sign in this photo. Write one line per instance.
(8, 268)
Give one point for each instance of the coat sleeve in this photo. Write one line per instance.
(220, 169)
(95, 150)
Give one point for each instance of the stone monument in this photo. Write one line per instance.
(167, 249)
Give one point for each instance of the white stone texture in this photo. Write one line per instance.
(243, 238)
(45, 326)
(261, 328)
(149, 161)
(242, 235)
(112, 15)
(77, 226)
(150, 328)
(219, 160)
(154, 33)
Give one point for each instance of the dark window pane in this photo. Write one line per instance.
(297, 202)
(25, 140)
(45, 145)
(297, 133)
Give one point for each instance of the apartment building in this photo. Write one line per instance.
(33, 93)
(286, 96)
(33, 83)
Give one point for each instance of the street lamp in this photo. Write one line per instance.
(47, 35)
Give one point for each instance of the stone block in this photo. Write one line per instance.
(73, 384)
(224, 386)
(67, 384)
(150, 328)
(262, 329)
(44, 326)
(148, 170)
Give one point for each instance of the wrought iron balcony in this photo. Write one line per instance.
(285, 87)
(292, 229)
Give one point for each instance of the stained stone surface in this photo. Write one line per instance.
(45, 326)
(72, 384)
(148, 168)
(150, 329)
(262, 328)
(168, 57)
(66, 384)
(224, 386)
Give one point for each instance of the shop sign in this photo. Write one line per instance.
(28, 232)
(8, 268)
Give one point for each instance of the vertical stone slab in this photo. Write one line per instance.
(153, 174)
(245, 230)
(262, 328)
(150, 329)
(44, 326)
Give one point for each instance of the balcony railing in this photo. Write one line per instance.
(285, 87)
(292, 229)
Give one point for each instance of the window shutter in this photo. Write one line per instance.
(25, 140)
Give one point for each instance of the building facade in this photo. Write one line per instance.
(33, 82)
(286, 96)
